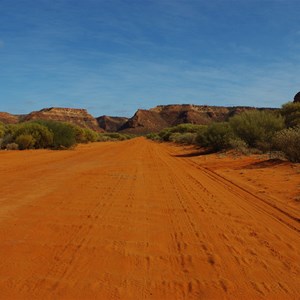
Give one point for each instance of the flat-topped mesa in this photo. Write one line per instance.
(197, 114)
(65, 110)
(174, 107)
(76, 116)
(162, 116)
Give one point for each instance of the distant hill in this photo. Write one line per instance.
(7, 118)
(162, 116)
(143, 122)
(76, 116)
(111, 124)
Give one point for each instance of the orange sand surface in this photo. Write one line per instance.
(142, 220)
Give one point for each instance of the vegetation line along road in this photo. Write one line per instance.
(134, 220)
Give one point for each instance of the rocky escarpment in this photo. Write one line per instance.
(144, 121)
(76, 116)
(297, 97)
(162, 116)
(111, 124)
(7, 118)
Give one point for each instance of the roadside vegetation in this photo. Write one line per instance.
(42, 134)
(250, 132)
(114, 136)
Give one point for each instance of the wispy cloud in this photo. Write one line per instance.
(121, 55)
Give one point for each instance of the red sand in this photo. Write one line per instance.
(141, 220)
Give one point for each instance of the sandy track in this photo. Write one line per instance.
(131, 220)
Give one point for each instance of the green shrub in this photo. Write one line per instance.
(165, 134)
(2, 129)
(104, 138)
(8, 136)
(291, 112)
(216, 136)
(84, 135)
(64, 134)
(239, 145)
(186, 127)
(113, 136)
(42, 136)
(25, 141)
(174, 137)
(288, 141)
(153, 137)
(80, 136)
(257, 128)
(187, 138)
(90, 135)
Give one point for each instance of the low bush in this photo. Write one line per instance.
(291, 112)
(288, 141)
(90, 135)
(239, 145)
(187, 138)
(153, 137)
(187, 127)
(216, 136)
(42, 136)
(25, 141)
(114, 136)
(2, 129)
(8, 136)
(165, 134)
(257, 128)
(64, 134)
(84, 135)
(12, 146)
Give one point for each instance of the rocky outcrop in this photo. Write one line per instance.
(144, 121)
(162, 116)
(111, 124)
(7, 118)
(297, 97)
(76, 116)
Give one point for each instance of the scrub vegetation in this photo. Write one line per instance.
(42, 134)
(251, 131)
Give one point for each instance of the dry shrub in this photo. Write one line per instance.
(257, 128)
(25, 141)
(12, 146)
(288, 141)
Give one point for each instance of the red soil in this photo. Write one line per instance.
(141, 220)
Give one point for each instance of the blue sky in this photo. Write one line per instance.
(115, 56)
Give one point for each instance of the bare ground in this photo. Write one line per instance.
(141, 220)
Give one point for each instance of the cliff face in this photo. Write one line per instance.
(162, 116)
(144, 121)
(7, 118)
(111, 124)
(76, 116)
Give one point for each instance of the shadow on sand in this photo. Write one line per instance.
(266, 164)
(199, 152)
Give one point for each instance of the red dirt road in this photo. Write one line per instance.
(135, 220)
